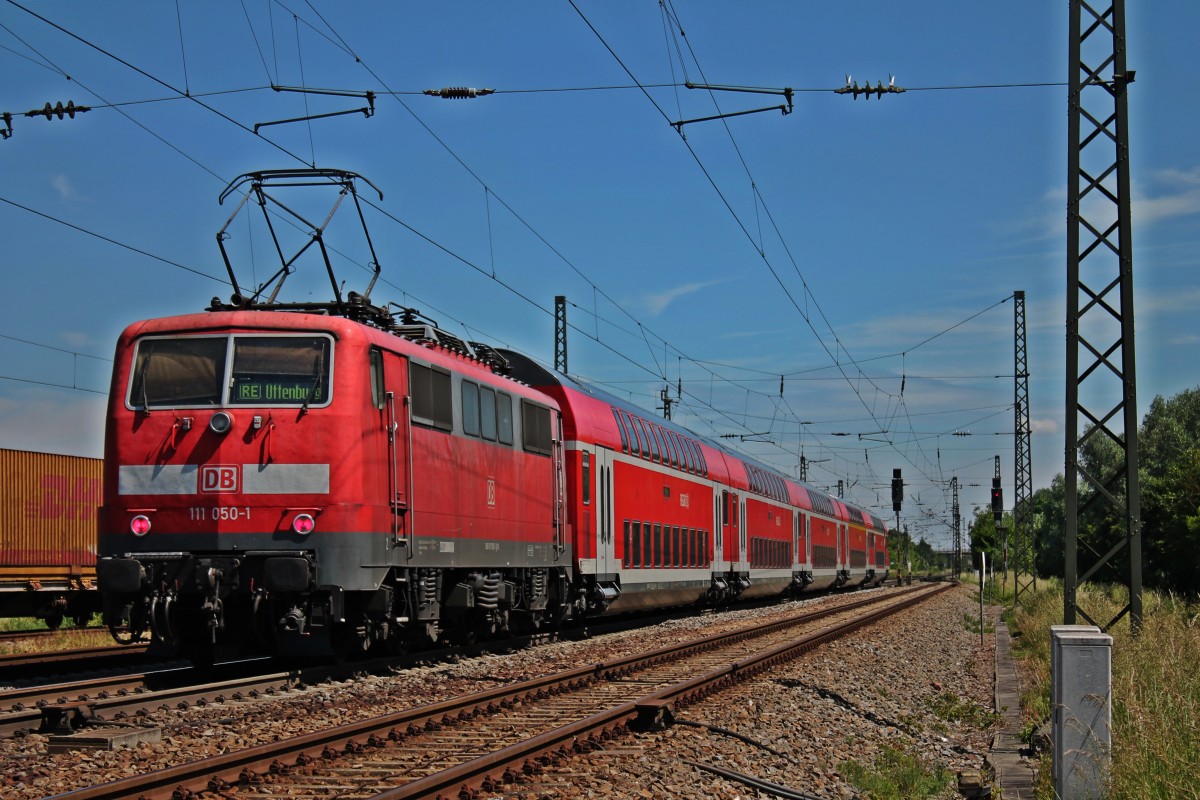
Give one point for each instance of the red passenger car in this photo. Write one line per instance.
(660, 516)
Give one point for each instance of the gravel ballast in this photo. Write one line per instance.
(918, 683)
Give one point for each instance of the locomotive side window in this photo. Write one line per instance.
(280, 370)
(470, 408)
(535, 428)
(504, 418)
(430, 388)
(487, 413)
(178, 372)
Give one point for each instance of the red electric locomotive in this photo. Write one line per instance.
(295, 482)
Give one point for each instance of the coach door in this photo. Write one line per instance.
(602, 481)
(843, 546)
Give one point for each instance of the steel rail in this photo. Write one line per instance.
(530, 756)
(248, 766)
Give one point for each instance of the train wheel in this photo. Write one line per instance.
(54, 619)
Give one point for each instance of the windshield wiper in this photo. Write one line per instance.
(142, 379)
(318, 374)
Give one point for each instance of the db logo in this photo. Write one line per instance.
(218, 479)
(491, 492)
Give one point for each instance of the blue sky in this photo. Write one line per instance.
(863, 249)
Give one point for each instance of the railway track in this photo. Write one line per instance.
(118, 694)
(486, 740)
(23, 667)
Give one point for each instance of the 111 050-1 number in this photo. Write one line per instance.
(232, 513)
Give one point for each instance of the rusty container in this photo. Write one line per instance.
(48, 514)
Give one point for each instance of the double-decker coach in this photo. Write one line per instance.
(660, 516)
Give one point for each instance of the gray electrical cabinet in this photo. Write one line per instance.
(1081, 704)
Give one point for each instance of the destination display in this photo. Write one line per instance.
(278, 389)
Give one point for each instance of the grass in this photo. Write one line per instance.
(67, 638)
(952, 708)
(1155, 693)
(896, 775)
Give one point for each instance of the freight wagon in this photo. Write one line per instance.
(48, 508)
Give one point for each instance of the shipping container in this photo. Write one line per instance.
(48, 508)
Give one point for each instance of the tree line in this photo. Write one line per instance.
(1169, 474)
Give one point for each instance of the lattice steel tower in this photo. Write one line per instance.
(956, 524)
(1101, 379)
(560, 334)
(1024, 550)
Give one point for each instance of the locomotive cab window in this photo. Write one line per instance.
(201, 371)
(280, 370)
(172, 373)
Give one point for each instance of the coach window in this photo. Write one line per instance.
(626, 555)
(664, 451)
(685, 454)
(621, 430)
(636, 558)
(487, 413)
(693, 465)
(658, 545)
(635, 438)
(587, 478)
(676, 547)
(647, 544)
(653, 445)
(676, 461)
(504, 419)
(375, 360)
(430, 389)
(635, 446)
(470, 408)
(535, 428)
(668, 452)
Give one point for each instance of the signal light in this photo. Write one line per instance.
(139, 525)
(897, 490)
(997, 498)
(303, 524)
(221, 422)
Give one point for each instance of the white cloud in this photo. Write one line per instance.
(1044, 426)
(655, 304)
(63, 186)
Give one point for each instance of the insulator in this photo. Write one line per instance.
(57, 110)
(458, 92)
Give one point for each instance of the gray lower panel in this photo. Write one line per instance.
(658, 594)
